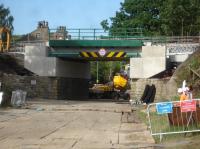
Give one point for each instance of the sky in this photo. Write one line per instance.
(69, 13)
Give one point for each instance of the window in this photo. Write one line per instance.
(37, 36)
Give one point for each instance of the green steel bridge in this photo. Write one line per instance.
(95, 44)
(98, 44)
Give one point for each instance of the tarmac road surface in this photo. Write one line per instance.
(55, 124)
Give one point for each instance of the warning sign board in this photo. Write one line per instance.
(163, 108)
(188, 105)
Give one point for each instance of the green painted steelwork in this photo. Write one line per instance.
(95, 43)
(94, 33)
(76, 55)
(133, 54)
(63, 54)
(93, 38)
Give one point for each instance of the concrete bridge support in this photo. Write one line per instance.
(151, 62)
(72, 76)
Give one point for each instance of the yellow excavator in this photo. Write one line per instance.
(117, 89)
(5, 38)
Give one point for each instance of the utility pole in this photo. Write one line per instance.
(182, 27)
(97, 81)
(111, 65)
(199, 37)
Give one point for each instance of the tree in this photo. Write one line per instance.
(142, 14)
(157, 17)
(106, 70)
(6, 20)
(181, 17)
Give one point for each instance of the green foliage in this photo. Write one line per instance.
(157, 17)
(106, 70)
(105, 24)
(181, 17)
(183, 73)
(195, 63)
(16, 37)
(175, 98)
(6, 20)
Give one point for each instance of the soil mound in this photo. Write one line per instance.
(10, 65)
(183, 72)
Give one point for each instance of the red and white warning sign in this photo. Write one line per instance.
(102, 52)
(188, 105)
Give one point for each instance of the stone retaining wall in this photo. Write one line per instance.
(35, 86)
(165, 88)
(68, 88)
(47, 87)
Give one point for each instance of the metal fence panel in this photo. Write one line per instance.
(18, 98)
(178, 120)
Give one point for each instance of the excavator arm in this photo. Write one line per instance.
(5, 38)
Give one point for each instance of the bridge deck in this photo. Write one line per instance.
(87, 43)
(93, 56)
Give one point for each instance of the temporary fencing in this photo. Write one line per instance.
(18, 98)
(174, 117)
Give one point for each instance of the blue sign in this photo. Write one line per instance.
(165, 107)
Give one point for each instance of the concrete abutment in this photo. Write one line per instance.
(72, 77)
(151, 62)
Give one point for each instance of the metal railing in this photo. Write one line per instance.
(174, 117)
(118, 33)
(94, 34)
(171, 39)
(194, 73)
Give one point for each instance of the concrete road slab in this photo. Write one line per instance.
(46, 124)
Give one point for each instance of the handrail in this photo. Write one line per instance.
(194, 72)
(92, 34)
(117, 34)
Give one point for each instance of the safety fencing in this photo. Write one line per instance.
(174, 117)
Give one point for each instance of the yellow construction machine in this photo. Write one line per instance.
(117, 89)
(5, 38)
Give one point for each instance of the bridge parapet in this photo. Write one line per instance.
(116, 34)
(94, 34)
(181, 48)
(179, 52)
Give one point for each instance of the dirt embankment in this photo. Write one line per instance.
(184, 73)
(10, 65)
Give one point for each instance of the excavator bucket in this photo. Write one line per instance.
(119, 82)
